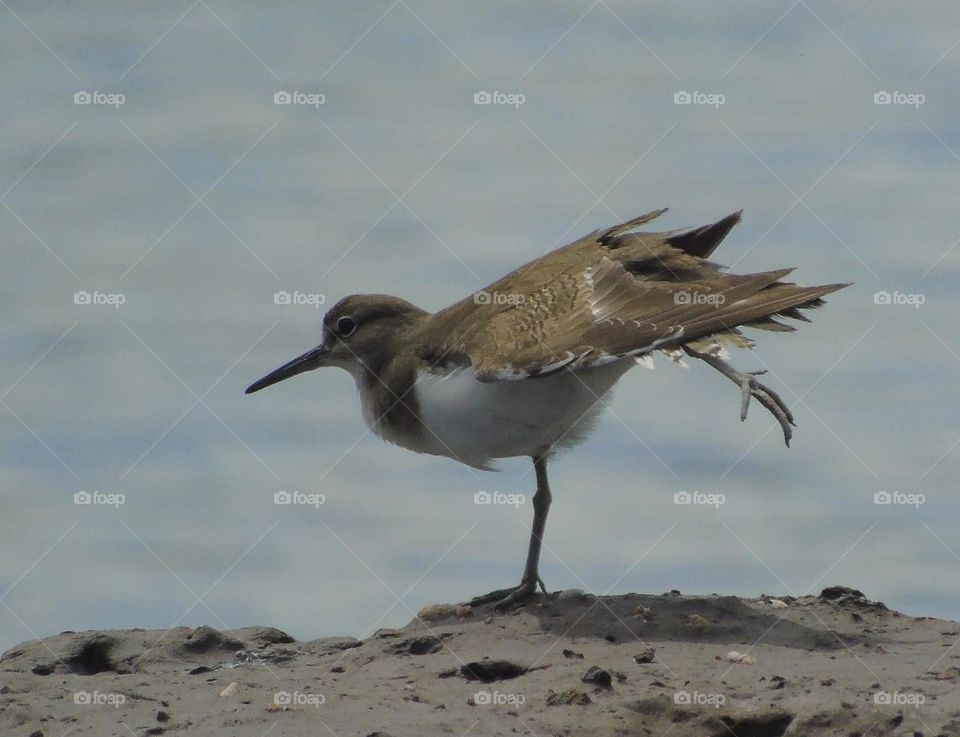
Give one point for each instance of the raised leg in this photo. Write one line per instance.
(750, 387)
(531, 573)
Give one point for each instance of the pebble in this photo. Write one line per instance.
(598, 677)
(734, 657)
(645, 656)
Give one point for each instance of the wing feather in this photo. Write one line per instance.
(612, 294)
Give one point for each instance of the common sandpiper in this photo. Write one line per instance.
(521, 367)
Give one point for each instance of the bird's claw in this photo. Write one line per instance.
(750, 387)
(504, 598)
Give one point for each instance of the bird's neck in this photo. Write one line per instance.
(386, 383)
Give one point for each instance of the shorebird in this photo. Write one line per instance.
(521, 368)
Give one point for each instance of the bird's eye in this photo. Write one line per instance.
(346, 326)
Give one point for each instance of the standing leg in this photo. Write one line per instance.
(541, 506)
(531, 571)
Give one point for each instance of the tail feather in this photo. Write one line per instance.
(703, 241)
(777, 300)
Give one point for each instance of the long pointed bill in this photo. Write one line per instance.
(310, 360)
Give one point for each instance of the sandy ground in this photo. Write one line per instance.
(570, 664)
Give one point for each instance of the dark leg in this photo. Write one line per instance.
(531, 574)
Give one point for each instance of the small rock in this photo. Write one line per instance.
(698, 620)
(199, 670)
(572, 654)
(734, 657)
(36, 733)
(841, 592)
(573, 595)
(270, 636)
(162, 716)
(569, 697)
(488, 671)
(644, 612)
(42, 669)
(598, 677)
(231, 689)
(337, 669)
(434, 612)
(827, 682)
(645, 656)
(778, 603)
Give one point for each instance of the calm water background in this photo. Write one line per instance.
(198, 198)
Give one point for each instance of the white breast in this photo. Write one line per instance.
(475, 422)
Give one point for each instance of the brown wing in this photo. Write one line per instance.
(612, 294)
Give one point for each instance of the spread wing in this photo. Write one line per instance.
(612, 294)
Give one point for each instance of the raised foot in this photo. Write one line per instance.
(505, 598)
(750, 387)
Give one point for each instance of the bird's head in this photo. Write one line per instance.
(360, 334)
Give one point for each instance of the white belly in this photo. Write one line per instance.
(475, 422)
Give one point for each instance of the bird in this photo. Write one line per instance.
(522, 367)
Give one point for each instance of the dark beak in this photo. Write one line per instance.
(309, 361)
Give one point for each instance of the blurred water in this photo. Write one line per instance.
(198, 198)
